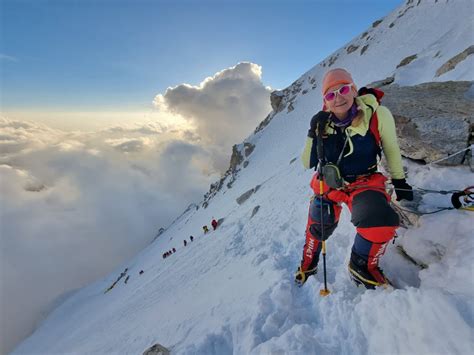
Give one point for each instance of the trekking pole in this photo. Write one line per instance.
(325, 291)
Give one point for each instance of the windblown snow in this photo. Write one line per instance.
(231, 290)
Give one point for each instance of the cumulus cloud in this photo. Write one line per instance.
(224, 108)
(128, 145)
(75, 205)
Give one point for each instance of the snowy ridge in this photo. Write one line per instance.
(231, 291)
(434, 31)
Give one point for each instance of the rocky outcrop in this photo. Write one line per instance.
(246, 195)
(216, 187)
(407, 60)
(376, 23)
(156, 349)
(383, 82)
(282, 98)
(351, 49)
(240, 152)
(265, 122)
(276, 98)
(254, 211)
(160, 232)
(451, 63)
(433, 120)
(332, 60)
(248, 148)
(236, 158)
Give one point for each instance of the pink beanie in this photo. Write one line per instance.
(335, 77)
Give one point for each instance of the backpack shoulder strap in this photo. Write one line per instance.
(376, 92)
(374, 128)
(374, 120)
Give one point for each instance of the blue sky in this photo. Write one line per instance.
(101, 55)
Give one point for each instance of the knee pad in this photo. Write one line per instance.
(371, 209)
(316, 230)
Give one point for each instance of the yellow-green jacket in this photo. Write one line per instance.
(357, 136)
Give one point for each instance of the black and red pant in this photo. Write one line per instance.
(372, 215)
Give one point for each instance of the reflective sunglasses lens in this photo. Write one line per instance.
(330, 96)
(345, 89)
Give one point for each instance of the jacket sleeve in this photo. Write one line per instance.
(388, 136)
(309, 157)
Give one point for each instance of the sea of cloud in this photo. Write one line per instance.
(75, 205)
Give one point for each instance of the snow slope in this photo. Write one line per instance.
(231, 291)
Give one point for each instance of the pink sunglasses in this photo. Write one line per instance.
(343, 90)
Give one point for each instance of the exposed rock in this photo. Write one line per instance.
(364, 34)
(246, 195)
(157, 349)
(451, 63)
(401, 13)
(265, 122)
(364, 48)
(215, 187)
(376, 23)
(276, 98)
(351, 49)
(255, 210)
(160, 232)
(246, 163)
(380, 83)
(407, 60)
(279, 99)
(392, 25)
(293, 160)
(236, 158)
(333, 59)
(248, 148)
(304, 92)
(433, 120)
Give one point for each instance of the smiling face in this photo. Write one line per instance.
(341, 104)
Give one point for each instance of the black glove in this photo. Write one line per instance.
(302, 276)
(402, 190)
(321, 116)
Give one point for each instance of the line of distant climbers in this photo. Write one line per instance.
(123, 274)
(205, 229)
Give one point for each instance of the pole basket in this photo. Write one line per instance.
(324, 292)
